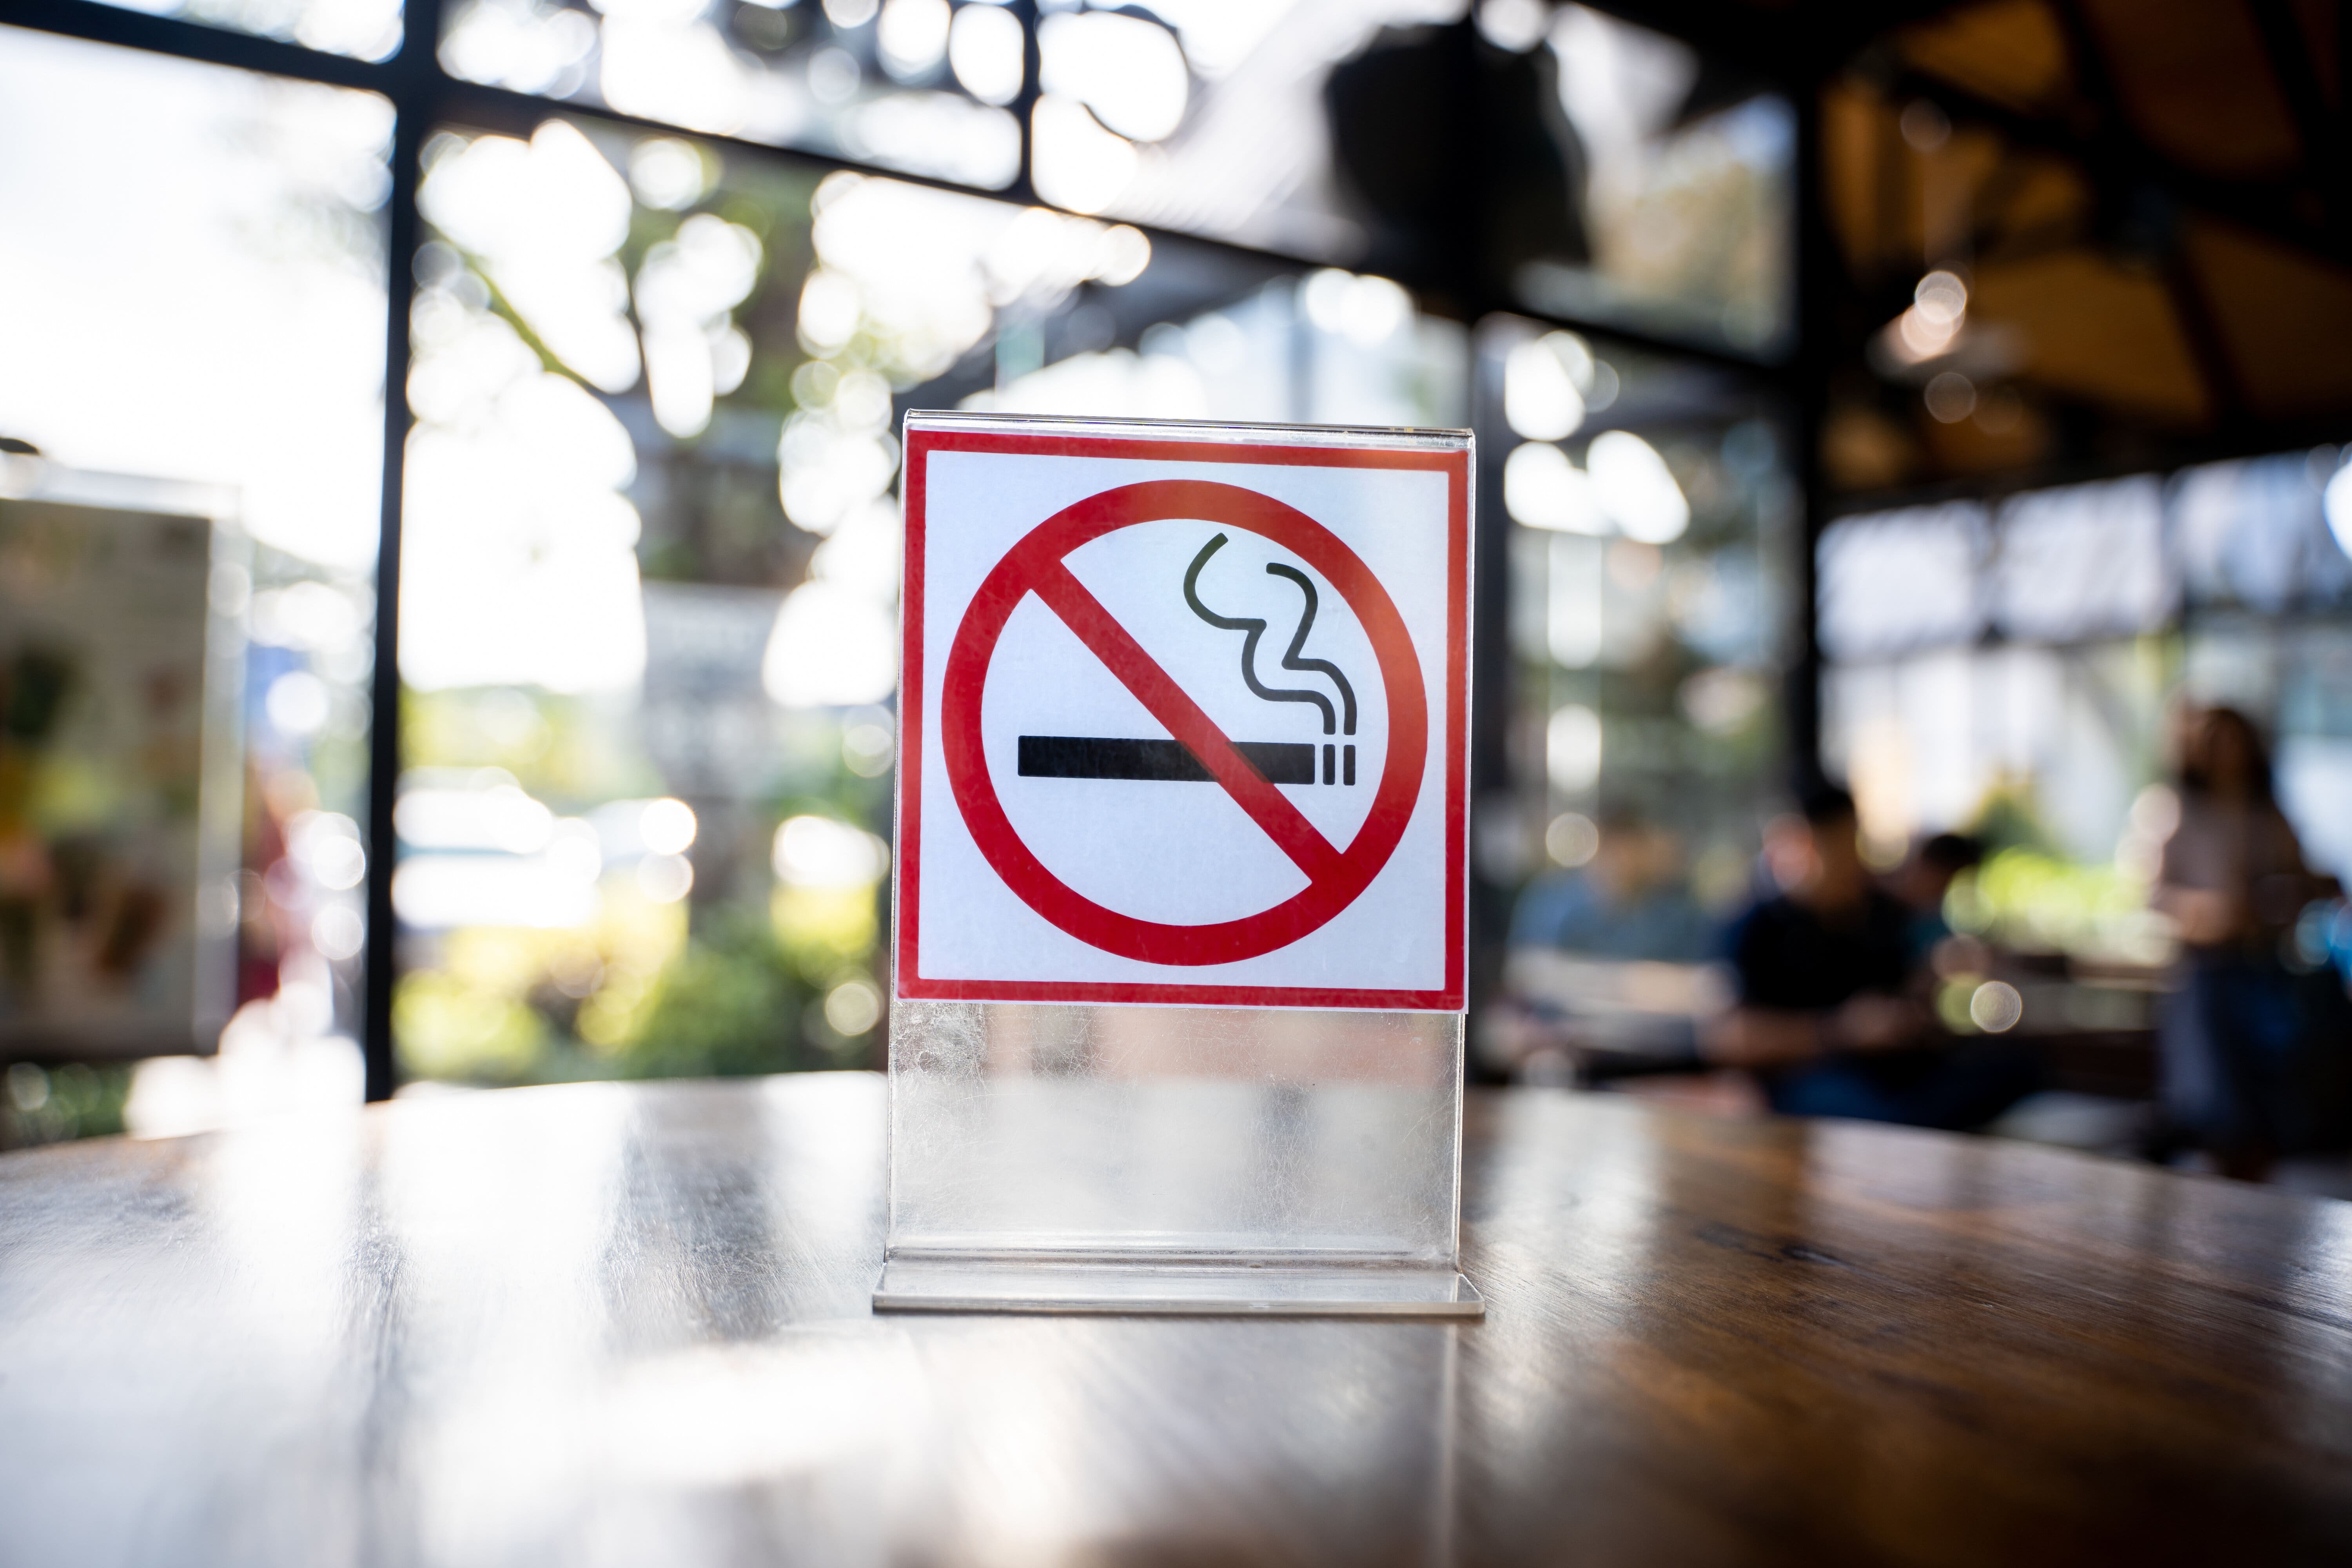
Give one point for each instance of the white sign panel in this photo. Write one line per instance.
(1184, 714)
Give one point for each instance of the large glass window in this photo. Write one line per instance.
(2011, 670)
(648, 630)
(1651, 512)
(194, 270)
(1604, 171)
(655, 378)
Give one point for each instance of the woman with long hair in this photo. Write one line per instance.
(2235, 1033)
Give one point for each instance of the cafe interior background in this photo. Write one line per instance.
(497, 401)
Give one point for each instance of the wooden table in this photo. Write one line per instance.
(606, 1325)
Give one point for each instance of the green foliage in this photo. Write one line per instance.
(449, 1028)
(731, 1005)
(2007, 819)
(558, 748)
(734, 999)
(47, 1105)
(33, 693)
(2029, 898)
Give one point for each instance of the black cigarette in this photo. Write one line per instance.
(1098, 757)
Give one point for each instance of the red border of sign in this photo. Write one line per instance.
(1038, 566)
(910, 982)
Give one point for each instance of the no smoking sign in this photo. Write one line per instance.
(1184, 714)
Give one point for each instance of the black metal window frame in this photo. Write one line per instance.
(422, 94)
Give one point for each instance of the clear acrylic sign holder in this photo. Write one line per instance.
(1076, 1158)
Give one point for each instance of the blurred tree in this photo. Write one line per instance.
(731, 1005)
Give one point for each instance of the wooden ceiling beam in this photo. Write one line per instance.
(2122, 162)
(2321, 131)
(2127, 446)
(2118, 149)
(1795, 47)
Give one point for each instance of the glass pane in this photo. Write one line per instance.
(193, 315)
(648, 634)
(1900, 580)
(2048, 754)
(1684, 170)
(2083, 562)
(907, 84)
(1332, 348)
(2258, 534)
(1652, 508)
(1223, 120)
(364, 30)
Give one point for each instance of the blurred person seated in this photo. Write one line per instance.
(1831, 1014)
(1606, 964)
(1922, 882)
(2254, 1054)
(1630, 900)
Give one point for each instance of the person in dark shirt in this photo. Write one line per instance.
(1825, 1016)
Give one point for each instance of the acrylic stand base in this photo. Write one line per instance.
(1160, 1289)
(1168, 1161)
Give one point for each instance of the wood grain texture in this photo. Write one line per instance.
(600, 1324)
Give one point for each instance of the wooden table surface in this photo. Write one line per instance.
(605, 1325)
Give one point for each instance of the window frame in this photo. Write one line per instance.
(423, 94)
